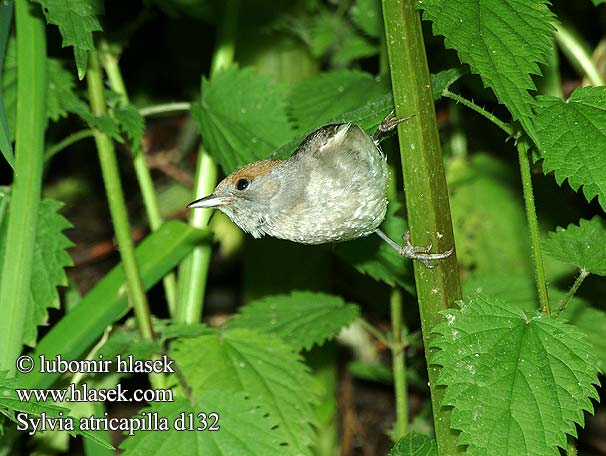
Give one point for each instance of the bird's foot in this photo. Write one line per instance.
(421, 253)
(388, 124)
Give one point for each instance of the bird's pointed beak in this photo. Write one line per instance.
(208, 201)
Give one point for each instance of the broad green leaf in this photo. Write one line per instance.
(598, 2)
(71, 336)
(245, 428)
(501, 40)
(6, 147)
(591, 321)
(444, 79)
(414, 444)
(367, 15)
(350, 96)
(482, 195)
(263, 367)
(373, 256)
(541, 369)
(50, 259)
(77, 20)
(242, 117)
(332, 97)
(331, 36)
(303, 319)
(520, 291)
(131, 122)
(49, 263)
(572, 139)
(583, 246)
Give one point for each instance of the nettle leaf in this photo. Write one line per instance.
(242, 117)
(371, 255)
(332, 36)
(332, 97)
(583, 246)
(367, 15)
(50, 259)
(482, 194)
(132, 124)
(572, 139)
(77, 20)
(591, 321)
(444, 79)
(489, 37)
(261, 366)
(542, 369)
(245, 428)
(414, 444)
(303, 319)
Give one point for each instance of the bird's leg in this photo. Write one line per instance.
(416, 253)
(388, 124)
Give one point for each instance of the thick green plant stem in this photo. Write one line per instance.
(117, 205)
(146, 184)
(27, 181)
(426, 192)
(399, 365)
(533, 227)
(193, 271)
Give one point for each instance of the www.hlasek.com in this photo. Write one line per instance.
(146, 421)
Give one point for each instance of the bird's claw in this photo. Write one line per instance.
(421, 253)
(388, 124)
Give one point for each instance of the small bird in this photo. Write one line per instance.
(332, 189)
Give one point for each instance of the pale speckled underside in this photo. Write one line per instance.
(332, 189)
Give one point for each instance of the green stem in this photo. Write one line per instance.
(117, 205)
(573, 48)
(575, 286)
(166, 108)
(146, 184)
(533, 227)
(426, 192)
(471, 105)
(376, 332)
(68, 141)
(399, 365)
(193, 271)
(27, 181)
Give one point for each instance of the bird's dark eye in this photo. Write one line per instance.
(242, 184)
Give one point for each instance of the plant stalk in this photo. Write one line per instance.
(426, 192)
(399, 365)
(27, 181)
(117, 205)
(68, 141)
(577, 54)
(193, 271)
(533, 227)
(146, 184)
(575, 286)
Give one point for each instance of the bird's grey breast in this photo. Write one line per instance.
(334, 187)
